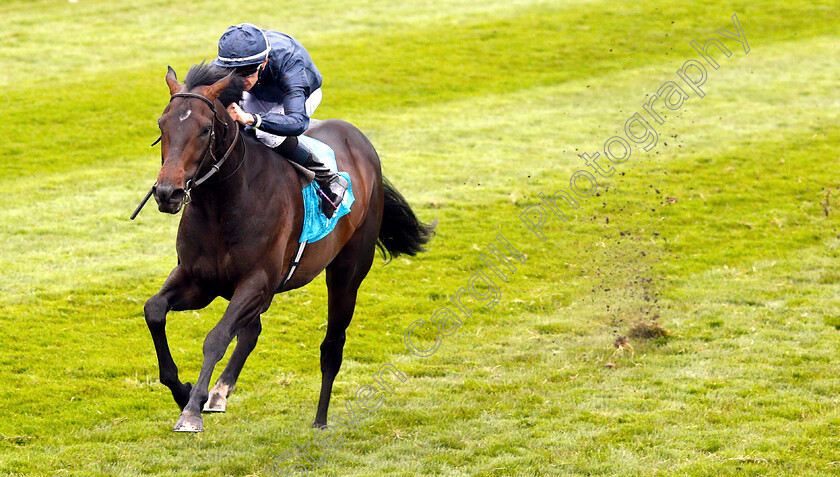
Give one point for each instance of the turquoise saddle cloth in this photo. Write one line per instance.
(315, 225)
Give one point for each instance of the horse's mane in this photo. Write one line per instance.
(205, 75)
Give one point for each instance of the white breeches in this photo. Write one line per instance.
(253, 105)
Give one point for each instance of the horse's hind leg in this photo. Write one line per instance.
(344, 275)
(246, 340)
(178, 293)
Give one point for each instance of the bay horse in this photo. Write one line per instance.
(238, 235)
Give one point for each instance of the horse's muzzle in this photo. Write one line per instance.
(170, 199)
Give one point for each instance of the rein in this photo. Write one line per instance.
(211, 146)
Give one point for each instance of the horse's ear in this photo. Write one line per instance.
(213, 91)
(172, 81)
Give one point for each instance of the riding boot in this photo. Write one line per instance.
(333, 186)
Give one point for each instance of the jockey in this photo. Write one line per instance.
(282, 89)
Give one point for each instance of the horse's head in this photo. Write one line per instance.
(188, 137)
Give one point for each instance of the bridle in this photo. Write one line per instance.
(211, 147)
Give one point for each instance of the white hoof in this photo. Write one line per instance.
(189, 423)
(216, 403)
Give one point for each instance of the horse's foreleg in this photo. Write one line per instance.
(249, 300)
(179, 292)
(246, 340)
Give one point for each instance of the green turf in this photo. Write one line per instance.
(726, 234)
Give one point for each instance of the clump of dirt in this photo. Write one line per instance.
(648, 330)
(625, 262)
(622, 342)
(622, 345)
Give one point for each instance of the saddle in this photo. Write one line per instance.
(315, 225)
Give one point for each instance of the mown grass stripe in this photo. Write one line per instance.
(118, 119)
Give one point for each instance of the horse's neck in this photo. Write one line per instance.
(250, 164)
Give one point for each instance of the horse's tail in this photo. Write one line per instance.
(401, 231)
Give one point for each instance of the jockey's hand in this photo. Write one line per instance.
(239, 115)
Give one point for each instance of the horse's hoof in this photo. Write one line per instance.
(216, 403)
(189, 423)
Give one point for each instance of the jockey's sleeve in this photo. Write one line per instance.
(293, 122)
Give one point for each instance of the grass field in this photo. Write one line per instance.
(715, 253)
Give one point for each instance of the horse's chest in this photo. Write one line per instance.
(225, 260)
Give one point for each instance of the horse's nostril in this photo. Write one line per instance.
(177, 195)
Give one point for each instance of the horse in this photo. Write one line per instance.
(238, 234)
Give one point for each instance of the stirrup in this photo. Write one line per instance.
(332, 191)
(327, 201)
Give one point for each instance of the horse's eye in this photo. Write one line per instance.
(205, 131)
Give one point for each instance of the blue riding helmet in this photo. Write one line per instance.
(242, 45)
